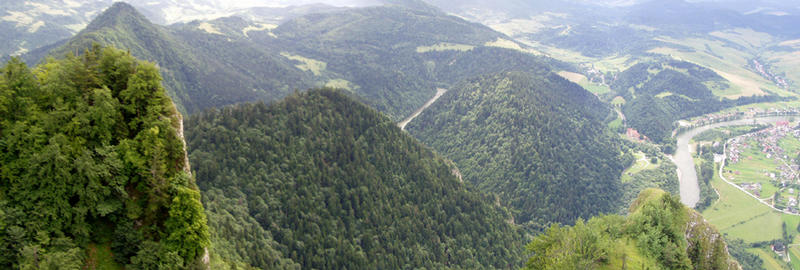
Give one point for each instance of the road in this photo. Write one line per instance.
(687, 176)
(762, 201)
(439, 93)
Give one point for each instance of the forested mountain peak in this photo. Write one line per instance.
(118, 13)
(94, 167)
(533, 138)
(325, 182)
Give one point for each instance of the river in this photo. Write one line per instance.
(687, 176)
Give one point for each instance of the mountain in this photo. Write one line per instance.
(535, 139)
(319, 180)
(94, 168)
(27, 25)
(196, 76)
(393, 57)
(658, 94)
(659, 233)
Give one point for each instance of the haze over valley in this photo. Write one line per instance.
(385, 134)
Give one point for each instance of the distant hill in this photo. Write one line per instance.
(535, 139)
(195, 79)
(320, 180)
(393, 57)
(662, 92)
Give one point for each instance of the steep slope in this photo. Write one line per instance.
(659, 233)
(93, 165)
(393, 57)
(381, 50)
(326, 182)
(533, 138)
(200, 69)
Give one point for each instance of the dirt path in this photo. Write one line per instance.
(439, 93)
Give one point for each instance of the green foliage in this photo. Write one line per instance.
(373, 49)
(321, 181)
(749, 261)
(660, 93)
(536, 140)
(87, 141)
(667, 234)
(705, 172)
(581, 246)
(186, 224)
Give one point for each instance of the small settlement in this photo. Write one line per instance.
(783, 176)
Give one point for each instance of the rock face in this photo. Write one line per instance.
(706, 243)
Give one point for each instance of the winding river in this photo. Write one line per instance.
(687, 176)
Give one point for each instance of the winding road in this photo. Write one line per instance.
(687, 176)
(762, 201)
(439, 93)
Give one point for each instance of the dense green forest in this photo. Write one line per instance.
(198, 74)
(321, 181)
(662, 92)
(659, 233)
(373, 52)
(533, 138)
(91, 159)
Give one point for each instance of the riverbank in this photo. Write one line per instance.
(687, 175)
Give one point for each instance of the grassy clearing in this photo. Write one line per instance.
(307, 64)
(794, 254)
(341, 84)
(642, 163)
(616, 124)
(444, 46)
(770, 262)
(512, 45)
(618, 101)
(728, 62)
(741, 216)
(584, 82)
(626, 251)
(746, 37)
(99, 257)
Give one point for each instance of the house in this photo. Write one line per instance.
(633, 134)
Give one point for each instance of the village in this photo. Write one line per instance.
(734, 115)
(772, 170)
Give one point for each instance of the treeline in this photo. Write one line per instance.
(536, 140)
(659, 233)
(90, 154)
(322, 181)
(705, 172)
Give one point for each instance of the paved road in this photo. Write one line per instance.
(439, 93)
(762, 201)
(687, 176)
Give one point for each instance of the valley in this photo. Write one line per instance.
(385, 134)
